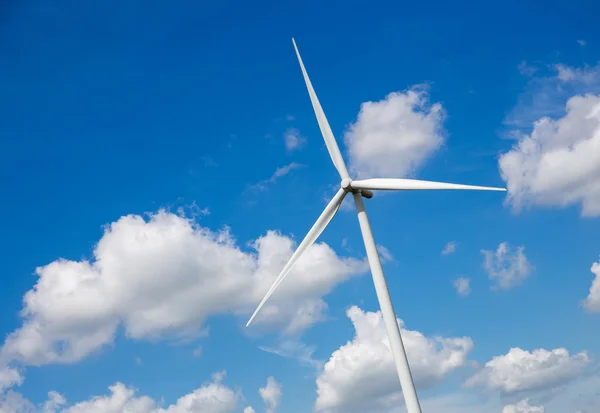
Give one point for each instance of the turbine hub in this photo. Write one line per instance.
(346, 184)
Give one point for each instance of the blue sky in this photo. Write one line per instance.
(113, 109)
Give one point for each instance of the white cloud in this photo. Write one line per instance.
(197, 352)
(293, 140)
(54, 402)
(592, 302)
(296, 350)
(580, 396)
(450, 248)
(522, 407)
(249, 409)
(581, 42)
(394, 136)
(454, 403)
(526, 69)
(212, 397)
(556, 159)
(462, 285)
(384, 254)
(361, 375)
(163, 277)
(558, 164)
(546, 94)
(271, 394)
(13, 402)
(585, 75)
(523, 371)
(279, 173)
(508, 267)
(9, 377)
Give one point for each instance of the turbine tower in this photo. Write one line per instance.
(360, 189)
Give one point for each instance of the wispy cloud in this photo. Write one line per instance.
(279, 173)
(547, 92)
(192, 210)
(209, 162)
(197, 352)
(295, 350)
(462, 286)
(450, 248)
(293, 140)
(526, 69)
(385, 254)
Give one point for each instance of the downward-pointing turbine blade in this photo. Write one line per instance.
(332, 147)
(413, 184)
(319, 226)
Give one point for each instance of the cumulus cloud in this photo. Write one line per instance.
(271, 394)
(394, 136)
(556, 159)
(212, 397)
(361, 375)
(9, 377)
(558, 164)
(580, 396)
(462, 286)
(293, 140)
(507, 267)
(592, 302)
(522, 371)
(163, 277)
(54, 402)
(13, 402)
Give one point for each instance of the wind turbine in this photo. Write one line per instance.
(359, 189)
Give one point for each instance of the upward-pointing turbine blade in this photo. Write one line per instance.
(332, 147)
(413, 184)
(319, 226)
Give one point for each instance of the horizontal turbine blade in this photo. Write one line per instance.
(332, 146)
(413, 184)
(319, 226)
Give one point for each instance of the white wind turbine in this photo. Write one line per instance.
(359, 189)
